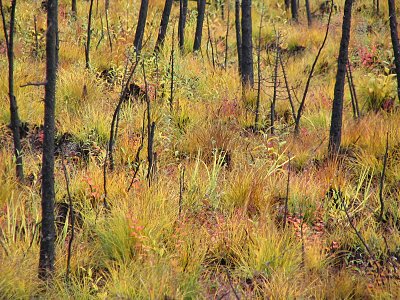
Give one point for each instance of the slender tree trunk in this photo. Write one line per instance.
(395, 41)
(226, 37)
(273, 102)
(201, 8)
(247, 44)
(259, 77)
(183, 5)
(287, 4)
(73, 8)
(335, 134)
(238, 35)
(15, 121)
(308, 10)
(163, 25)
(47, 251)
(171, 99)
(294, 10)
(89, 36)
(141, 25)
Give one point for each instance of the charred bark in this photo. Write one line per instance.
(163, 25)
(395, 40)
(137, 43)
(47, 249)
(335, 134)
(247, 45)
(238, 35)
(183, 5)
(201, 8)
(14, 116)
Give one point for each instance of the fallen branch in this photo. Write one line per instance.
(33, 84)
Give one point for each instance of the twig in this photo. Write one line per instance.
(287, 88)
(181, 189)
(231, 284)
(257, 113)
(102, 32)
(303, 100)
(383, 179)
(353, 105)
(171, 99)
(112, 131)
(354, 227)
(287, 195)
(210, 41)
(273, 103)
(150, 131)
(354, 90)
(226, 37)
(33, 84)
(36, 36)
(136, 162)
(108, 31)
(71, 214)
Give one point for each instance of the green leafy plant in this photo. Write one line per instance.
(379, 91)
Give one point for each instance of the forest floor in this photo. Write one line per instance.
(211, 223)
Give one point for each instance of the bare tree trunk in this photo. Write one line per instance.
(47, 249)
(238, 35)
(201, 8)
(273, 102)
(89, 35)
(15, 121)
(395, 41)
(163, 25)
(73, 8)
(183, 5)
(294, 10)
(141, 25)
(259, 78)
(335, 134)
(171, 99)
(287, 4)
(247, 44)
(226, 36)
(308, 10)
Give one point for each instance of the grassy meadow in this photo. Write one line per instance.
(211, 224)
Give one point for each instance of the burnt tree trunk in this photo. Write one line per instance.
(238, 35)
(287, 4)
(137, 43)
(335, 134)
(183, 6)
(89, 36)
(247, 45)
(73, 8)
(164, 24)
(47, 251)
(395, 41)
(308, 10)
(15, 121)
(201, 8)
(293, 6)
